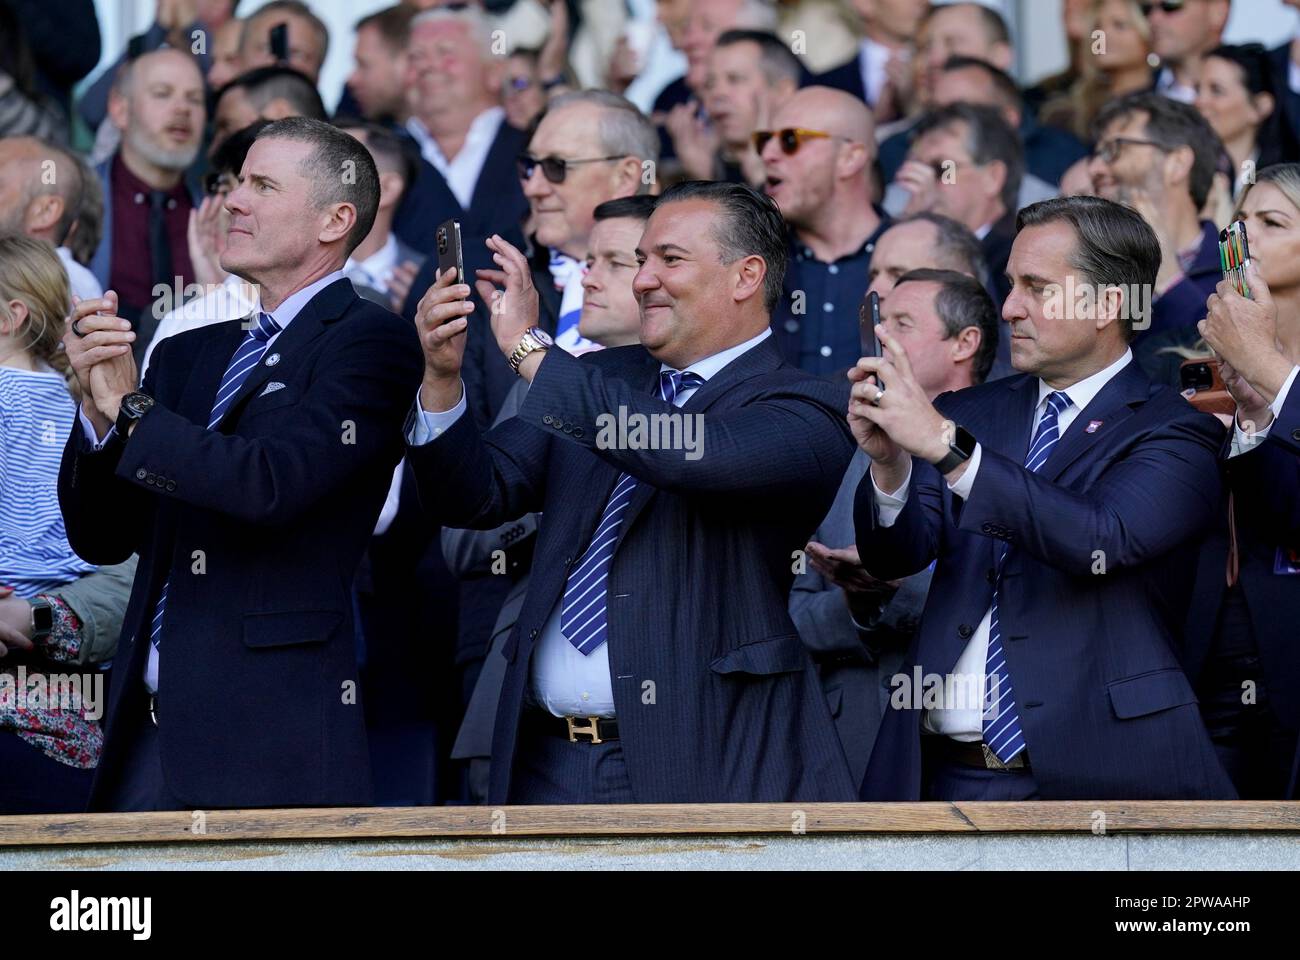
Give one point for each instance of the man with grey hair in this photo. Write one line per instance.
(857, 627)
(157, 103)
(1057, 508)
(307, 39)
(247, 471)
(44, 206)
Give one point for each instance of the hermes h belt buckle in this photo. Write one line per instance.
(592, 729)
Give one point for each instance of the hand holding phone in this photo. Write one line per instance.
(1234, 256)
(450, 254)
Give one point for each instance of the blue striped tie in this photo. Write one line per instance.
(582, 609)
(241, 365)
(1001, 726)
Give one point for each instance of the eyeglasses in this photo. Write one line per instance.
(1168, 6)
(1110, 150)
(790, 139)
(555, 169)
(519, 84)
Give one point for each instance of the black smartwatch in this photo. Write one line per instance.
(42, 618)
(133, 407)
(960, 449)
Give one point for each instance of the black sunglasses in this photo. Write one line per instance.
(1168, 6)
(555, 169)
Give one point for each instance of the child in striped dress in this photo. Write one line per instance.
(38, 408)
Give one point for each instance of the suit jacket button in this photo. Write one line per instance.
(141, 473)
(965, 631)
(547, 419)
(171, 485)
(532, 635)
(568, 561)
(567, 428)
(150, 478)
(1295, 434)
(577, 432)
(987, 528)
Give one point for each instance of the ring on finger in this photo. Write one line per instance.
(75, 328)
(880, 392)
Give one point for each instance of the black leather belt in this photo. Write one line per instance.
(975, 753)
(573, 729)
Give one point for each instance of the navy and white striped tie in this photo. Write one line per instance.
(1002, 731)
(241, 365)
(582, 608)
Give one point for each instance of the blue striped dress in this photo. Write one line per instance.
(36, 416)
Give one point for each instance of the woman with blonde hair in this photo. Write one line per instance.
(1240, 647)
(1113, 61)
(47, 749)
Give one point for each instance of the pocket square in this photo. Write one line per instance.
(271, 387)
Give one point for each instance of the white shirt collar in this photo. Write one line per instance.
(709, 366)
(293, 304)
(482, 128)
(872, 58)
(1082, 393)
(376, 267)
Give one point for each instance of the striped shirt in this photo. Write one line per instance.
(36, 416)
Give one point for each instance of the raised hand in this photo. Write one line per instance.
(1243, 332)
(101, 357)
(441, 320)
(399, 284)
(206, 238)
(509, 293)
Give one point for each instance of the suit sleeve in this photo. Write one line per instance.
(105, 517)
(773, 446)
(1285, 430)
(348, 417)
(909, 544)
(1164, 492)
(1266, 486)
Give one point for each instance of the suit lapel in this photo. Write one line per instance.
(327, 306)
(1113, 405)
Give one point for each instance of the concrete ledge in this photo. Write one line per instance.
(509, 825)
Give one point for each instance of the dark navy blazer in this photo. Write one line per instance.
(717, 701)
(1106, 708)
(278, 502)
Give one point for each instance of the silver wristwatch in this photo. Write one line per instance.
(534, 338)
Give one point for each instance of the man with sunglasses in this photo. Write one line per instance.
(817, 159)
(1159, 156)
(654, 660)
(1182, 32)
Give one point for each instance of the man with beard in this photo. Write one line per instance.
(157, 103)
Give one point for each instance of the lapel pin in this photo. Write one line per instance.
(272, 360)
(1093, 426)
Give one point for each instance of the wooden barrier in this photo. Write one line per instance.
(506, 822)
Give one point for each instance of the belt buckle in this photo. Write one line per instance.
(153, 709)
(993, 762)
(592, 730)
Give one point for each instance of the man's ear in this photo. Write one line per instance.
(44, 212)
(494, 77)
(1112, 302)
(749, 280)
(626, 177)
(966, 344)
(342, 218)
(1002, 57)
(1178, 164)
(996, 171)
(390, 189)
(119, 110)
(854, 158)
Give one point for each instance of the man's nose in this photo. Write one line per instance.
(536, 184)
(645, 280)
(589, 281)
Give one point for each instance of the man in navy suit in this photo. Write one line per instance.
(654, 659)
(247, 471)
(1063, 506)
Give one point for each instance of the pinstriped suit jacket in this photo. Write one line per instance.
(716, 698)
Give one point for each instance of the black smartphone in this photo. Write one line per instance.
(449, 249)
(873, 302)
(280, 42)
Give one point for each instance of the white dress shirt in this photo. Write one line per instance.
(1243, 441)
(377, 269)
(565, 682)
(872, 58)
(959, 718)
(1166, 84)
(82, 281)
(462, 171)
(232, 299)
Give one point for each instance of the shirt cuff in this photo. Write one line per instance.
(890, 505)
(96, 441)
(1243, 441)
(427, 426)
(966, 481)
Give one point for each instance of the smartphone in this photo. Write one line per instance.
(873, 302)
(1203, 387)
(449, 249)
(1234, 254)
(280, 42)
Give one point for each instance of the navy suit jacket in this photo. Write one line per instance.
(847, 76)
(1106, 708)
(278, 502)
(717, 701)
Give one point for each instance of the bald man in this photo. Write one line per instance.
(821, 179)
(41, 187)
(157, 105)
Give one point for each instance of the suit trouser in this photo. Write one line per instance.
(550, 769)
(140, 785)
(945, 779)
(33, 782)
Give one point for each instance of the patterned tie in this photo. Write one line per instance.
(1001, 726)
(582, 609)
(241, 365)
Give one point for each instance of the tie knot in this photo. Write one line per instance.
(1058, 402)
(673, 382)
(265, 328)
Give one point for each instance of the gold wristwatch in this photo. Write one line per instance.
(534, 338)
